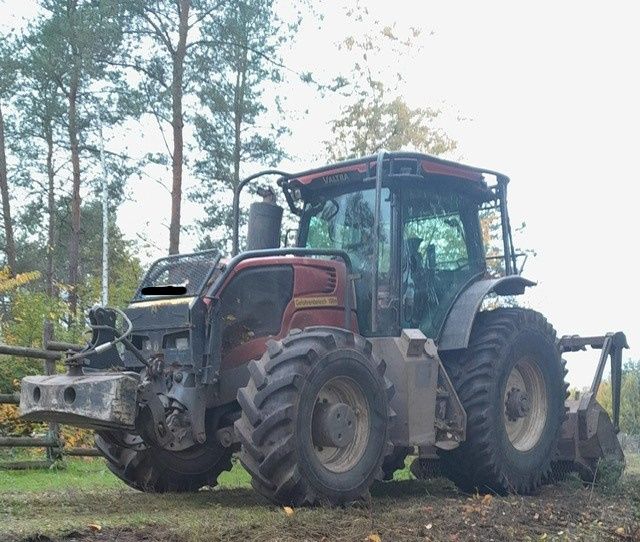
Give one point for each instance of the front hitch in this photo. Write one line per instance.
(163, 404)
(96, 400)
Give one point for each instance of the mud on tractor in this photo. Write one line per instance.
(326, 363)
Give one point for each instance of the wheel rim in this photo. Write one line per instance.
(350, 408)
(525, 405)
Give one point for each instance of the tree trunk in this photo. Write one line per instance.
(177, 125)
(9, 242)
(51, 208)
(74, 241)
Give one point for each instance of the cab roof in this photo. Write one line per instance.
(400, 164)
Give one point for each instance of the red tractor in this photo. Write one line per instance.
(325, 364)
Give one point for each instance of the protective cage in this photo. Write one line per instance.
(191, 271)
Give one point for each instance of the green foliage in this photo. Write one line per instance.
(124, 267)
(376, 116)
(25, 305)
(608, 476)
(124, 276)
(23, 326)
(630, 398)
(244, 42)
(374, 122)
(28, 312)
(75, 39)
(9, 64)
(161, 74)
(68, 54)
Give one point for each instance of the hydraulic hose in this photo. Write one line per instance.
(122, 338)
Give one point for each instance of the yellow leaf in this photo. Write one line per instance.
(288, 511)
(95, 527)
(620, 531)
(373, 538)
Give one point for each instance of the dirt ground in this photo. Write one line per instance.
(398, 511)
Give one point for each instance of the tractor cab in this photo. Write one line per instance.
(412, 226)
(429, 241)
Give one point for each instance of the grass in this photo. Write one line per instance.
(86, 475)
(80, 475)
(70, 503)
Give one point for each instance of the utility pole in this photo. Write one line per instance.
(105, 217)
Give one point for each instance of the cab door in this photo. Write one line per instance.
(441, 253)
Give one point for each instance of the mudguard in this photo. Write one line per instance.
(456, 330)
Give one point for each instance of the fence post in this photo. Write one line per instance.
(53, 434)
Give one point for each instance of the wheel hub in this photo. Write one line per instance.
(517, 404)
(525, 404)
(334, 425)
(340, 424)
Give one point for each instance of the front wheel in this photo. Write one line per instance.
(510, 381)
(148, 468)
(154, 470)
(315, 418)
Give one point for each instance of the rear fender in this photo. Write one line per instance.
(456, 330)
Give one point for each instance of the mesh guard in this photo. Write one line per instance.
(192, 271)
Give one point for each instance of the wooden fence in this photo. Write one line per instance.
(51, 353)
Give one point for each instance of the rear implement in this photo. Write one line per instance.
(589, 435)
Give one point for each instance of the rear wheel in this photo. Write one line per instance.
(511, 383)
(315, 418)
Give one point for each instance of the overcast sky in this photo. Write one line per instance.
(552, 90)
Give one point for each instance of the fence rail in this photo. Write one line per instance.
(9, 398)
(52, 352)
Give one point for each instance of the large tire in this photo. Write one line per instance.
(151, 469)
(281, 406)
(509, 447)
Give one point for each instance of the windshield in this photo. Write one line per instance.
(345, 222)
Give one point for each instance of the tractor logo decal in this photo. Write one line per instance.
(335, 178)
(308, 302)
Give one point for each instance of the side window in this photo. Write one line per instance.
(440, 237)
(439, 255)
